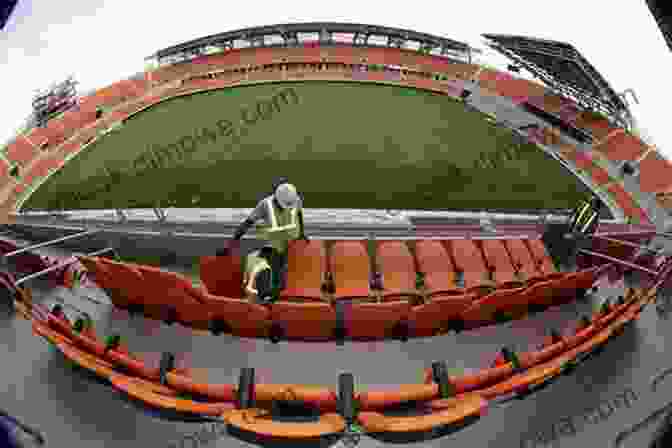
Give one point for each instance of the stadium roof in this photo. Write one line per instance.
(6, 9)
(289, 31)
(560, 66)
(662, 12)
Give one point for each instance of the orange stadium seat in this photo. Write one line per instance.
(625, 201)
(437, 266)
(128, 279)
(4, 171)
(109, 283)
(168, 295)
(344, 55)
(506, 85)
(437, 315)
(484, 309)
(655, 173)
(600, 176)
(222, 276)
(469, 261)
(397, 267)
(239, 317)
(599, 127)
(21, 151)
(499, 261)
(376, 320)
(307, 263)
(622, 146)
(560, 106)
(522, 260)
(351, 269)
(56, 132)
(541, 257)
(304, 321)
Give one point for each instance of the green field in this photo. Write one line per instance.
(345, 145)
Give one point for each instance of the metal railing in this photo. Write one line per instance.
(59, 266)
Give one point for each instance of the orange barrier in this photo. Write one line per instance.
(435, 263)
(351, 269)
(140, 391)
(258, 422)
(491, 382)
(307, 264)
(469, 261)
(397, 267)
(440, 413)
(500, 264)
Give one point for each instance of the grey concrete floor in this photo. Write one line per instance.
(74, 411)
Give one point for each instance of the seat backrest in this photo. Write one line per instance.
(124, 277)
(521, 258)
(538, 251)
(351, 269)
(434, 261)
(169, 286)
(222, 276)
(396, 264)
(500, 262)
(306, 265)
(469, 260)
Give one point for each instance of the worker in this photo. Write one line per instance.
(586, 217)
(279, 219)
(259, 280)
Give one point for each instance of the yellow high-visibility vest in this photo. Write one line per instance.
(279, 218)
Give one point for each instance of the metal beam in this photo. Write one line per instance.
(628, 243)
(616, 260)
(49, 243)
(58, 266)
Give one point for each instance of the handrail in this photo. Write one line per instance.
(59, 266)
(48, 243)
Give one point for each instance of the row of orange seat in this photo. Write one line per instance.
(446, 267)
(170, 297)
(446, 399)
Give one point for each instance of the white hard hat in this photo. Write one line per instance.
(287, 196)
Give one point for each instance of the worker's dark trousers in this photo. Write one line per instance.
(279, 266)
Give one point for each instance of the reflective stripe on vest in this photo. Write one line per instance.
(582, 213)
(589, 222)
(279, 218)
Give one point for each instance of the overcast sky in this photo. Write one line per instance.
(101, 41)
